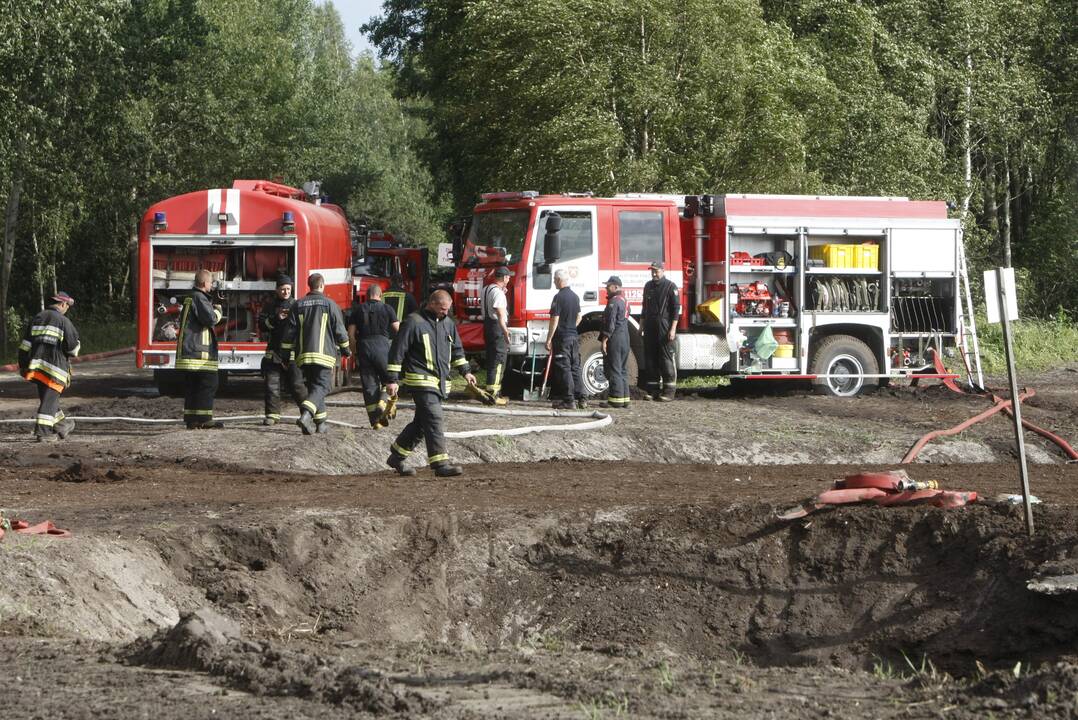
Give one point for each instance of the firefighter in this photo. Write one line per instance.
(318, 338)
(425, 350)
(371, 328)
(614, 336)
(564, 343)
(496, 331)
(50, 339)
(660, 313)
(278, 370)
(196, 354)
(396, 297)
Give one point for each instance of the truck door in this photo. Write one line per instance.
(579, 229)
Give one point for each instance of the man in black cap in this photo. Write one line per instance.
(316, 327)
(372, 325)
(563, 342)
(662, 305)
(50, 339)
(196, 353)
(278, 370)
(614, 335)
(495, 310)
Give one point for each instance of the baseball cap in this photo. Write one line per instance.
(63, 297)
(502, 271)
(657, 265)
(284, 280)
(613, 280)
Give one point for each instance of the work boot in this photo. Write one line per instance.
(563, 405)
(45, 437)
(306, 422)
(581, 404)
(447, 470)
(501, 400)
(211, 425)
(64, 428)
(397, 463)
(269, 421)
(665, 397)
(321, 428)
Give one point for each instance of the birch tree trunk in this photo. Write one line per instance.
(11, 221)
(1005, 230)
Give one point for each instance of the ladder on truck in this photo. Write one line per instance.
(967, 331)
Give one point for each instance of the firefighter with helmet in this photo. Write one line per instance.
(196, 353)
(50, 339)
(278, 372)
(318, 340)
(371, 328)
(426, 348)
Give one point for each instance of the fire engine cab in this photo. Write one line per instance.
(844, 292)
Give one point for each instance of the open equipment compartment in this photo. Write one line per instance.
(244, 278)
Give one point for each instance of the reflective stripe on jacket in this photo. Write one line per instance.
(50, 338)
(196, 345)
(316, 329)
(425, 351)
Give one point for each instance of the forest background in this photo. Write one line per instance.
(107, 106)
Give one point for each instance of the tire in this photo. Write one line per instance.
(169, 383)
(843, 355)
(591, 365)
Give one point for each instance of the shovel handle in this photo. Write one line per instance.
(546, 374)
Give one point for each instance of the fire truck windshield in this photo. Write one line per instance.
(496, 237)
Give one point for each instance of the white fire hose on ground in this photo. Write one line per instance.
(598, 420)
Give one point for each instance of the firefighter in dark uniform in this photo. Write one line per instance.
(614, 336)
(662, 304)
(496, 331)
(425, 350)
(563, 342)
(318, 339)
(278, 372)
(196, 354)
(50, 339)
(396, 297)
(371, 328)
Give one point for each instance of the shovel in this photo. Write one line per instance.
(546, 374)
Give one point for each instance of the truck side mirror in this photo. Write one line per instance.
(457, 232)
(552, 239)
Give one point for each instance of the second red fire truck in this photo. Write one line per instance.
(844, 292)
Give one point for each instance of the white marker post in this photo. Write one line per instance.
(1001, 301)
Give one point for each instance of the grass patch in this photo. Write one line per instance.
(95, 336)
(1038, 344)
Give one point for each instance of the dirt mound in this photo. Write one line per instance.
(207, 641)
(83, 471)
(1050, 691)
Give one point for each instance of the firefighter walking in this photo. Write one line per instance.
(614, 335)
(659, 319)
(278, 371)
(425, 350)
(371, 327)
(196, 354)
(317, 340)
(50, 339)
(496, 331)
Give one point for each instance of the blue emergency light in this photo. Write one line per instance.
(159, 221)
(288, 221)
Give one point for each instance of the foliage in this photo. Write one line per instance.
(1038, 344)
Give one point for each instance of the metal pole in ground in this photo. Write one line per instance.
(1005, 285)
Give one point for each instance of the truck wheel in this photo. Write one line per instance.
(846, 358)
(169, 383)
(591, 365)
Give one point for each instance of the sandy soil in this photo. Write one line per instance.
(634, 571)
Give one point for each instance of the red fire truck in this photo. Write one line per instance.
(246, 236)
(844, 292)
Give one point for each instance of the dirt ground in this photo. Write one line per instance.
(637, 570)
